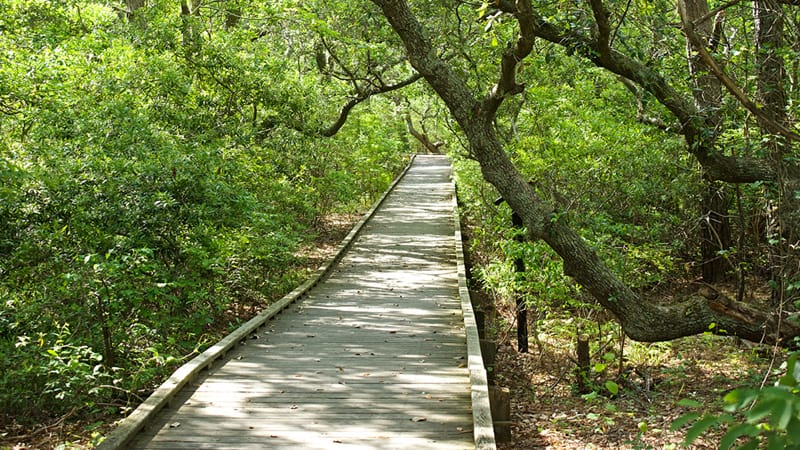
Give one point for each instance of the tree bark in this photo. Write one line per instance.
(785, 220)
(715, 233)
(132, 6)
(715, 230)
(640, 319)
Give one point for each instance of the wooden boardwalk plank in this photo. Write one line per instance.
(374, 357)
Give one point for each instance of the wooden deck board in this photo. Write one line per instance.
(374, 357)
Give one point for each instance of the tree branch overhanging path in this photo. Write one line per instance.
(641, 319)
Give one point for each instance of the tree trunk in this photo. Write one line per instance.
(640, 319)
(785, 207)
(715, 230)
(132, 6)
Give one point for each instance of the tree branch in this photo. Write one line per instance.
(718, 9)
(364, 95)
(640, 319)
(768, 122)
(692, 122)
(603, 30)
(507, 84)
(422, 137)
(640, 112)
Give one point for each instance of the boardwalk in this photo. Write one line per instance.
(374, 357)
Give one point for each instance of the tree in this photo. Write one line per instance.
(131, 6)
(144, 207)
(783, 220)
(593, 38)
(707, 93)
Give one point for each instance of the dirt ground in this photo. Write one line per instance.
(546, 411)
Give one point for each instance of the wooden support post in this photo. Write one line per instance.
(584, 363)
(522, 326)
(480, 320)
(489, 351)
(519, 267)
(500, 403)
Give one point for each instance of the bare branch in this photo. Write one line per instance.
(640, 112)
(336, 126)
(350, 76)
(507, 84)
(713, 12)
(422, 137)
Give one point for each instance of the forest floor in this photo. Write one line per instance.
(547, 412)
(75, 431)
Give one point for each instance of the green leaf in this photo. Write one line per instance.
(683, 420)
(735, 432)
(700, 427)
(689, 403)
(739, 398)
(750, 445)
(599, 367)
(793, 430)
(781, 420)
(776, 442)
(612, 387)
(762, 409)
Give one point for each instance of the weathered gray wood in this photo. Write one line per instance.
(481, 411)
(374, 356)
(137, 420)
(500, 402)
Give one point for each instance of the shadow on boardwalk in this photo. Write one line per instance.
(372, 358)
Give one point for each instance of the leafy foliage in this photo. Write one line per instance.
(148, 193)
(769, 416)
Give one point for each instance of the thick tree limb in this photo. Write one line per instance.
(603, 30)
(422, 137)
(507, 85)
(640, 319)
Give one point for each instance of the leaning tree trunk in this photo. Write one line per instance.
(784, 207)
(640, 319)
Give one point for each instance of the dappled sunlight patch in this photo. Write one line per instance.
(547, 412)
